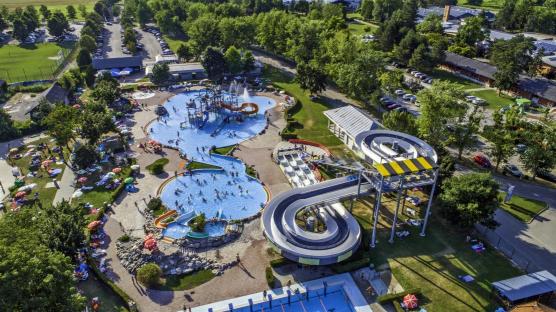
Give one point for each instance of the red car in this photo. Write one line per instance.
(482, 161)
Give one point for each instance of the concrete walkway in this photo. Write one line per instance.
(66, 187)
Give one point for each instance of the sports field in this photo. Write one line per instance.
(52, 5)
(30, 62)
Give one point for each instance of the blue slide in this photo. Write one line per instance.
(342, 235)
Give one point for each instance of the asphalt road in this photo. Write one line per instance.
(113, 41)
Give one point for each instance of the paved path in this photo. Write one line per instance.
(66, 188)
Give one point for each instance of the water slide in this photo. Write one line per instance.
(245, 108)
(205, 119)
(342, 235)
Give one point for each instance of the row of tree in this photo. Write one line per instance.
(528, 15)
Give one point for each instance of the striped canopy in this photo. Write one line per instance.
(407, 166)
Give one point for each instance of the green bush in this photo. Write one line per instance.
(149, 274)
(36, 88)
(197, 224)
(124, 238)
(270, 278)
(287, 135)
(391, 297)
(279, 262)
(157, 167)
(154, 204)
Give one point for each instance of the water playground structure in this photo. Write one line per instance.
(394, 163)
(195, 122)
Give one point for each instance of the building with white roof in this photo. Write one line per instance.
(347, 122)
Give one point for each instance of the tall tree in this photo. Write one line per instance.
(366, 9)
(106, 92)
(469, 199)
(45, 12)
(233, 60)
(540, 154)
(83, 58)
(72, 13)
(401, 121)
(62, 132)
(214, 63)
(463, 133)
(161, 74)
(57, 24)
(184, 52)
(311, 77)
(501, 138)
(511, 57)
(61, 227)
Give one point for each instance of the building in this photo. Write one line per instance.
(134, 62)
(452, 13)
(170, 59)
(538, 286)
(347, 122)
(539, 90)
(55, 94)
(183, 71)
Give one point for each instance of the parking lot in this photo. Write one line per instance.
(151, 46)
(112, 46)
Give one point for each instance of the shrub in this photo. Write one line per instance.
(157, 167)
(124, 238)
(279, 262)
(154, 204)
(287, 135)
(270, 278)
(198, 223)
(149, 274)
(349, 266)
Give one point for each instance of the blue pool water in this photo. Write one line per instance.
(227, 193)
(334, 301)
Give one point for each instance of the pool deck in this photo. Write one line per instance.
(344, 280)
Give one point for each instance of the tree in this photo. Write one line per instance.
(431, 24)
(87, 42)
(511, 57)
(106, 91)
(61, 226)
(463, 132)
(89, 76)
(233, 60)
(7, 130)
(85, 156)
(143, 12)
(62, 132)
(441, 104)
(401, 121)
(82, 10)
(72, 14)
(391, 80)
(311, 77)
(184, 52)
(421, 59)
(469, 199)
(45, 12)
(366, 9)
(3, 23)
(95, 121)
(472, 31)
(539, 156)
(501, 139)
(248, 61)
(41, 112)
(149, 274)
(160, 74)
(19, 29)
(203, 34)
(57, 24)
(33, 277)
(214, 63)
(83, 58)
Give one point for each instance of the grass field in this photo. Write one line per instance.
(521, 208)
(53, 5)
(433, 263)
(489, 4)
(184, 282)
(173, 43)
(494, 101)
(30, 62)
(444, 75)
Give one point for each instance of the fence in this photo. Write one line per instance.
(518, 257)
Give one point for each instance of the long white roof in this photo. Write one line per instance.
(351, 119)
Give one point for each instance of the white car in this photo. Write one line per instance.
(409, 97)
(475, 100)
(399, 92)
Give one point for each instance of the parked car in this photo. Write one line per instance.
(512, 170)
(399, 92)
(428, 80)
(475, 100)
(548, 176)
(409, 97)
(520, 148)
(400, 109)
(482, 161)
(393, 106)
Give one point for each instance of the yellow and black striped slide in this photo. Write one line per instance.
(407, 166)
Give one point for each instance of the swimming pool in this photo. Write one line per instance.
(337, 293)
(178, 230)
(227, 193)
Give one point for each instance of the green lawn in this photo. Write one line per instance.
(195, 165)
(110, 302)
(360, 29)
(46, 195)
(494, 101)
(521, 208)
(489, 4)
(225, 150)
(52, 5)
(157, 165)
(173, 43)
(448, 76)
(30, 62)
(185, 282)
(310, 116)
(99, 195)
(433, 264)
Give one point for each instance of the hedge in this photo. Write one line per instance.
(279, 262)
(270, 278)
(397, 296)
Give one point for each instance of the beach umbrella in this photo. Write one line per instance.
(115, 72)
(128, 180)
(46, 163)
(152, 142)
(111, 174)
(20, 194)
(27, 187)
(93, 225)
(82, 180)
(150, 244)
(410, 301)
(13, 150)
(117, 170)
(77, 194)
(76, 106)
(134, 167)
